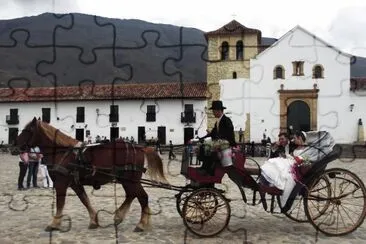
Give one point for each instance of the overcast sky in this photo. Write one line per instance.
(342, 23)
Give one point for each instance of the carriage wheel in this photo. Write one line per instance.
(181, 197)
(204, 218)
(321, 187)
(346, 205)
(206, 212)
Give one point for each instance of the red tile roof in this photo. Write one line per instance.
(358, 83)
(232, 28)
(192, 90)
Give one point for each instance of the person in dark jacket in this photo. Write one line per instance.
(224, 130)
(282, 147)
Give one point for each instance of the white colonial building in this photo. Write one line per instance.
(299, 82)
(153, 110)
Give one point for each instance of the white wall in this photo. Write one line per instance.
(131, 115)
(259, 95)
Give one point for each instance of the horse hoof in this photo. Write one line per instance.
(92, 226)
(138, 229)
(50, 228)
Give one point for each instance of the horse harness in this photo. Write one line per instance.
(78, 150)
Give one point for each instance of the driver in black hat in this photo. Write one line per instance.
(224, 130)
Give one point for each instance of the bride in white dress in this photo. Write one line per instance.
(278, 171)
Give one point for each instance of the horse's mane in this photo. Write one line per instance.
(56, 136)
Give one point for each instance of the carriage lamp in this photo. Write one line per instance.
(72, 126)
(351, 106)
(86, 126)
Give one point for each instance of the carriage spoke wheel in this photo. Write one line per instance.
(206, 212)
(321, 187)
(344, 210)
(181, 197)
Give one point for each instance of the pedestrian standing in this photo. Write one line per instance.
(23, 166)
(171, 147)
(34, 158)
(241, 134)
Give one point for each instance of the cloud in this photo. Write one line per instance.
(21, 8)
(347, 30)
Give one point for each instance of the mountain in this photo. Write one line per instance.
(64, 50)
(67, 49)
(358, 67)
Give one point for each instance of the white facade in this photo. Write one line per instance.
(259, 95)
(132, 114)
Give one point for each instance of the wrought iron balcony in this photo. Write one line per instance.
(188, 117)
(12, 120)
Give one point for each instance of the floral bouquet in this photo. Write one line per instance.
(301, 166)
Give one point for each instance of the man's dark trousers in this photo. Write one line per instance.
(22, 171)
(32, 173)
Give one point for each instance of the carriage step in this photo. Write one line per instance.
(274, 191)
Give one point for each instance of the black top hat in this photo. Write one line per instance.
(217, 105)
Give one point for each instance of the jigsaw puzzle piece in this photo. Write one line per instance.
(103, 36)
(73, 71)
(13, 202)
(305, 43)
(12, 90)
(148, 51)
(39, 34)
(190, 49)
(26, 42)
(14, 68)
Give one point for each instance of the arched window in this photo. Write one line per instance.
(278, 72)
(224, 51)
(234, 75)
(318, 71)
(239, 50)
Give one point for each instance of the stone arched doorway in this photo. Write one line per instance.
(296, 100)
(298, 116)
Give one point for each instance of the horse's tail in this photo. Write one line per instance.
(155, 165)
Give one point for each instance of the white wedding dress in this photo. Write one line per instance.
(277, 171)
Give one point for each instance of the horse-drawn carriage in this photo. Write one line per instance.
(332, 200)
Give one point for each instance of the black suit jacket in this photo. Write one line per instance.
(226, 131)
(281, 150)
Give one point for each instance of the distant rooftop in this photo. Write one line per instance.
(194, 90)
(232, 28)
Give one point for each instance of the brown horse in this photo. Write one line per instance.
(73, 165)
